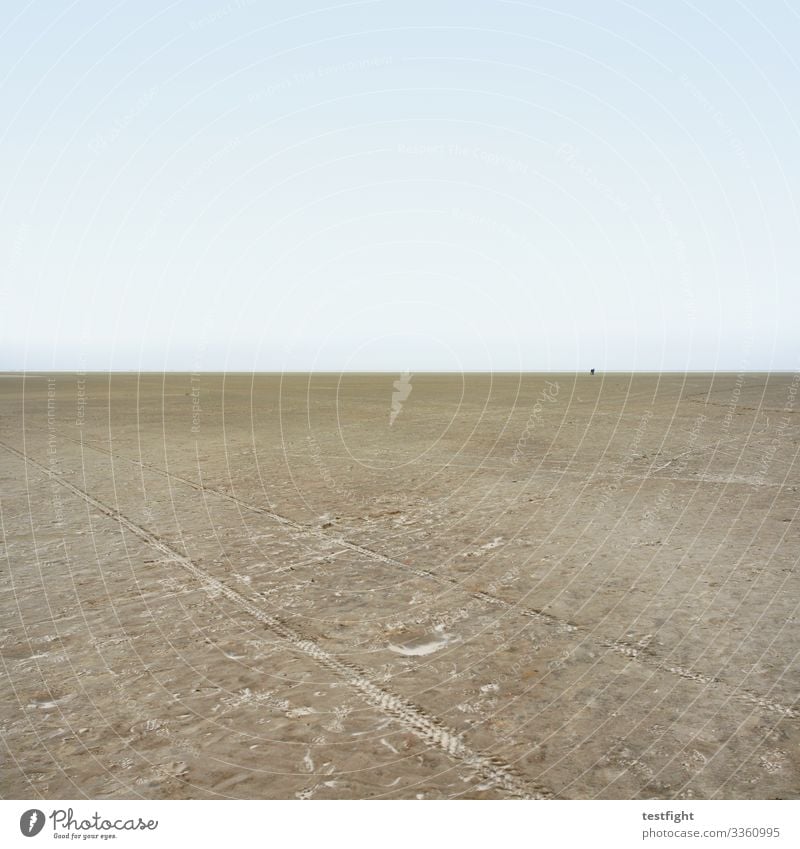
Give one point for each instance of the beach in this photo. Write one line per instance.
(400, 585)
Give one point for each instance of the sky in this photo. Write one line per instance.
(420, 186)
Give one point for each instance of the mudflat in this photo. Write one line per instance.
(399, 586)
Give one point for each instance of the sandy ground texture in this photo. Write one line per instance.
(399, 586)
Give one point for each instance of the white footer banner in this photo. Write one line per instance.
(387, 824)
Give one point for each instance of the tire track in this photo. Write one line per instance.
(428, 728)
(621, 647)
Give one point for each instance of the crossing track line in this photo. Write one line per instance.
(428, 728)
(621, 647)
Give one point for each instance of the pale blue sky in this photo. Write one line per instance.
(400, 185)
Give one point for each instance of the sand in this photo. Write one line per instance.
(394, 586)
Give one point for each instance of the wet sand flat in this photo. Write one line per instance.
(399, 586)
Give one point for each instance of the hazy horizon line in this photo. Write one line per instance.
(598, 373)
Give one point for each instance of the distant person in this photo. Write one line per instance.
(592, 371)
